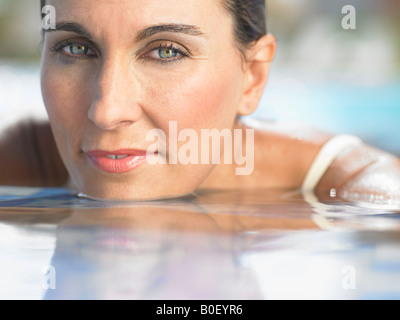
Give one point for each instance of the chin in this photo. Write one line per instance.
(147, 185)
(133, 194)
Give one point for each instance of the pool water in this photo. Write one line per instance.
(259, 244)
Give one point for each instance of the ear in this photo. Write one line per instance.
(256, 68)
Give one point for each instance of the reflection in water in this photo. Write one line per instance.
(214, 245)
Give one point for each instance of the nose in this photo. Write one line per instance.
(115, 97)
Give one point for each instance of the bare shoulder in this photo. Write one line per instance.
(363, 173)
(285, 151)
(29, 156)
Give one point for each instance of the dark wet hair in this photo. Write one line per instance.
(249, 19)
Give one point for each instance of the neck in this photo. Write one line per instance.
(224, 176)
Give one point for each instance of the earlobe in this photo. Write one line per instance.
(258, 60)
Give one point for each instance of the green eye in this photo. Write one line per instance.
(77, 49)
(167, 53)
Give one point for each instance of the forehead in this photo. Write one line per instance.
(133, 14)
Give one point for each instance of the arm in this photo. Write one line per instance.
(29, 157)
(363, 173)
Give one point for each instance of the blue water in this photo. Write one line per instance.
(372, 113)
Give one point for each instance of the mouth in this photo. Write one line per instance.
(119, 161)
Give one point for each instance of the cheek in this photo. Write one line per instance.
(62, 97)
(208, 99)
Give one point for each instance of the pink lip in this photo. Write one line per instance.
(133, 159)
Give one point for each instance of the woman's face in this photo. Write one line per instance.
(114, 70)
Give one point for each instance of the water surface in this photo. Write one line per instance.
(215, 245)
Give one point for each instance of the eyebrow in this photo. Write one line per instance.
(177, 28)
(71, 27)
(143, 34)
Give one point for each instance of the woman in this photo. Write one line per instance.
(114, 71)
